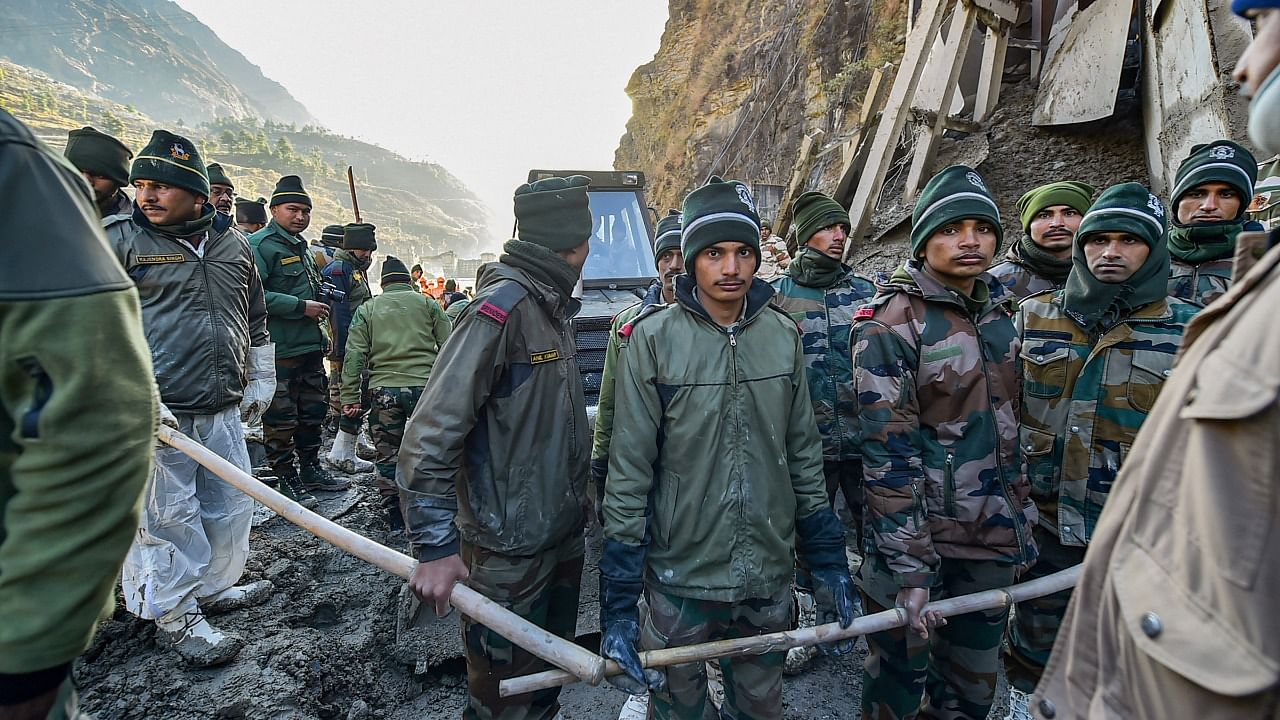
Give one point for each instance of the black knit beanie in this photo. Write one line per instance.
(331, 236)
(289, 190)
(172, 160)
(251, 211)
(394, 271)
(956, 193)
(99, 153)
(554, 212)
(720, 211)
(668, 234)
(359, 236)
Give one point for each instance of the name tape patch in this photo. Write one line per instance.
(545, 356)
(290, 260)
(158, 259)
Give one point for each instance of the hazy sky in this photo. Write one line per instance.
(489, 89)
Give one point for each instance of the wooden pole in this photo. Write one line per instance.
(804, 162)
(579, 662)
(351, 183)
(993, 52)
(781, 641)
(854, 155)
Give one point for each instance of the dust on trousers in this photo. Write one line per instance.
(291, 425)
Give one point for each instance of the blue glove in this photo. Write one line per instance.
(820, 545)
(618, 643)
(621, 579)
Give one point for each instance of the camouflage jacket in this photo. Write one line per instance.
(1199, 284)
(824, 314)
(939, 391)
(1019, 280)
(1083, 400)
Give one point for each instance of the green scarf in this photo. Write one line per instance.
(814, 269)
(1095, 305)
(190, 228)
(1194, 244)
(1040, 261)
(543, 265)
(975, 303)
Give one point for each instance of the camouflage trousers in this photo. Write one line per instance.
(345, 424)
(291, 424)
(1035, 623)
(950, 676)
(392, 408)
(542, 589)
(752, 683)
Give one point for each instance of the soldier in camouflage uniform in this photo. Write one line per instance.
(1093, 359)
(670, 264)
(493, 467)
(948, 509)
(1041, 259)
(297, 319)
(394, 338)
(715, 474)
(1211, 193)
(347, 273)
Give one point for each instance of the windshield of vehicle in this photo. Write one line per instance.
(620, 246)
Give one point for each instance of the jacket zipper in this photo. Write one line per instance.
(835, 389)
(949, 485)
(213, 317)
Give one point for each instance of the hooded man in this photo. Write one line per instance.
(347, 273)
(715, 474)
(104, 162)
(206, 323)
(395, 338)
(1041, 259)
(1173, 615)
(670, 264)
(506, 509)
(222, 192)
(298, 318)
(1094, 357)
(821, 294)
(1211, 193)
(948, 508)
(251, 215)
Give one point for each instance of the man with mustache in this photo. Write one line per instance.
(666, 250)
(1041, 259)
(821, 294)
(299, 327)
(948, 508)
(206, 321)
(1174, 612)
(222, 192)
(104, 162)
(1094, 357)
(1210, 195)
(715, 474)
(347, 273)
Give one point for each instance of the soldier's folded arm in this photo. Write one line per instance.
(462, 379)
(885, 383)
(359, 343)
(636, 420)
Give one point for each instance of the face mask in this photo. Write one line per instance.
(1264, 115)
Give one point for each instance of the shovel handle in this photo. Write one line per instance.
(574, 659)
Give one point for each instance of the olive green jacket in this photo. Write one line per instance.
(396, 336)
(715, 451)
(77, 409)
(289, 279)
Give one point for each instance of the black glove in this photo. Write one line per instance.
(599, 472)
(621, 579)
(821, 546)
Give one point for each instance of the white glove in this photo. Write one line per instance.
(262, 383)
(167, 417)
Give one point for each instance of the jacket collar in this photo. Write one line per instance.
(913, 279)
(546, 296)
(758, 296)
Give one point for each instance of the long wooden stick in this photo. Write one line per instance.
(780, 641)
(351, 183)
(578, 661)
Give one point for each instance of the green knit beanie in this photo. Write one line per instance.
(668, 234)
(1128, 207)
(218, 176)
(99, 153)
(1219, 161)
(815, 211)
(394, 271)
(957, 193)
(359, 236)
(251, 211)
(289, 190)
(331, 236)
(720, 211)
(554, 212)
(172, 160)
(1073, 194)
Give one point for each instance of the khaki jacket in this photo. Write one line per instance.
(1175, 612)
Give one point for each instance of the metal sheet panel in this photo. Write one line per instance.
(1085, 57)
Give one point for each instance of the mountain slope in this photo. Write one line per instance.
(151, 54)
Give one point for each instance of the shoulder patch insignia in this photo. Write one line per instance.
(494, 312)
(158, 259)
(545, 356)
(290, 260)
(625, 330)
(864, 313)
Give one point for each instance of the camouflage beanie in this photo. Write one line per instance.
(172, 160)
(956, 193)
(554, 212)
(331, 236)
(668, 234)
(289, 190)
(99, 153)
(251, 211)
(218, 176)
(1073, 194)
(815, 211)
(720, 211)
